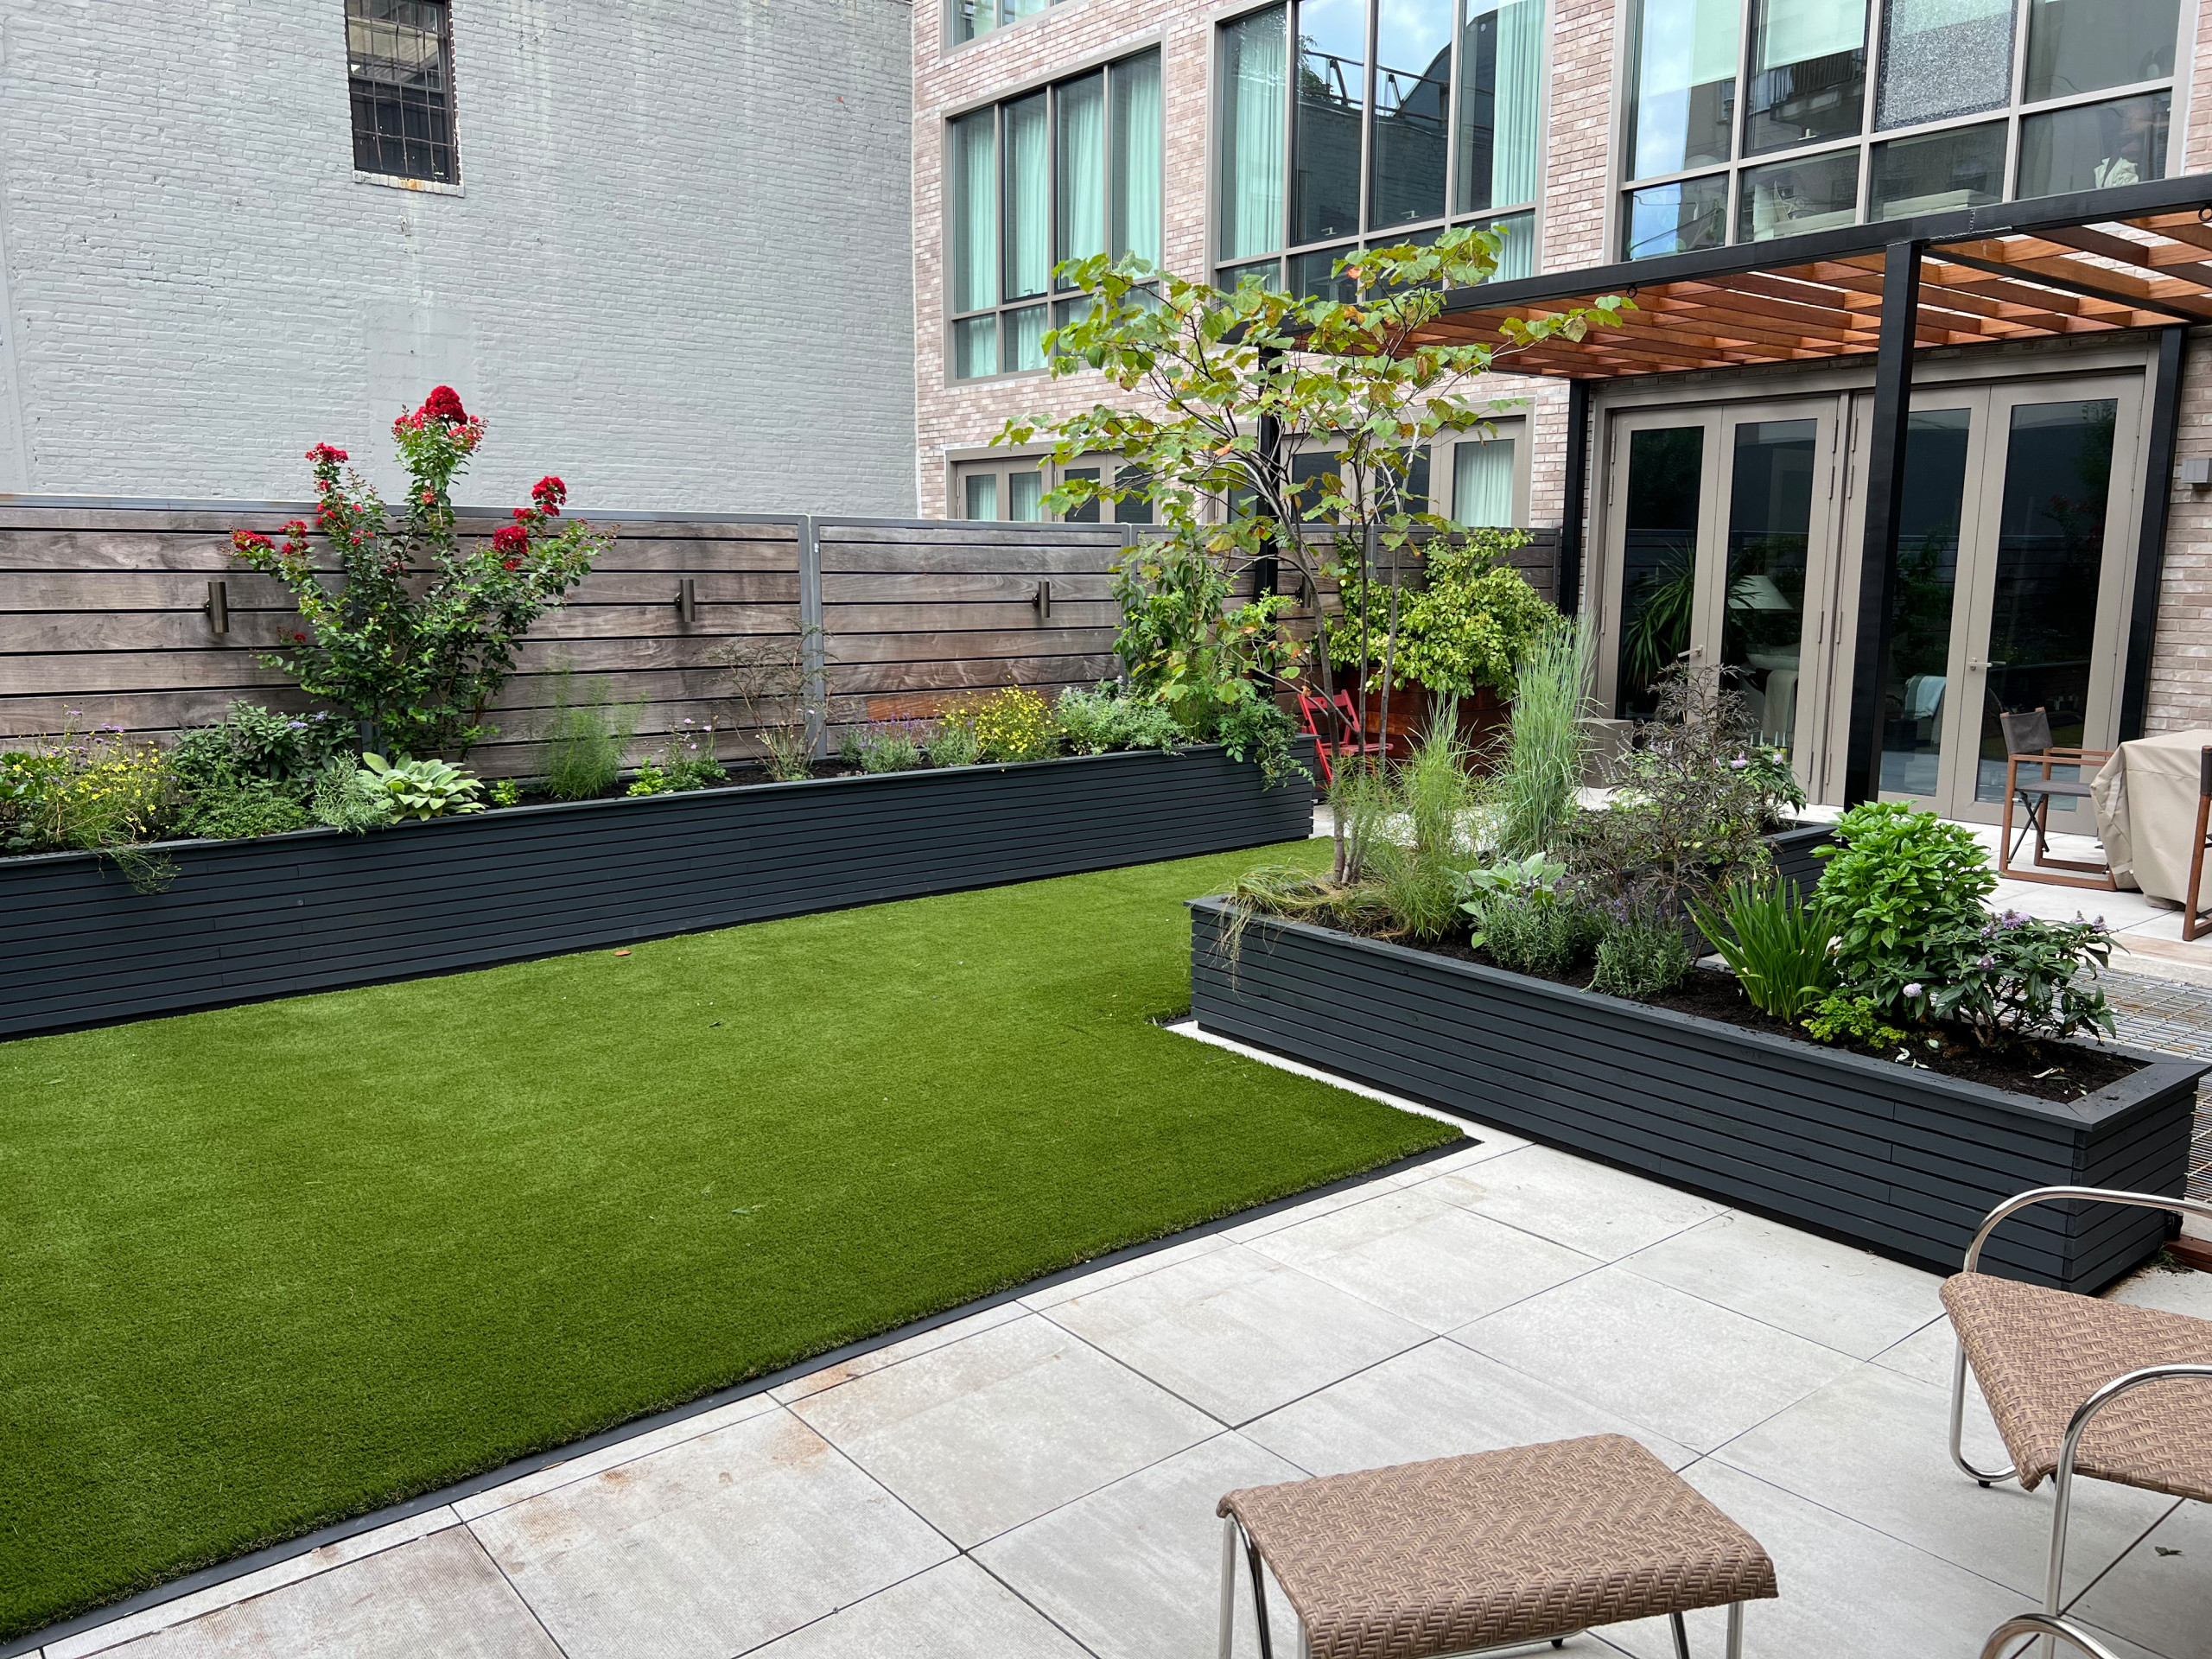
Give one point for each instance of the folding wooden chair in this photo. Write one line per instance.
(2027, 742)
(2192, 914)
(1327, 721)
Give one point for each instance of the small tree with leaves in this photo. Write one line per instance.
(1217, 368)
(418, 634)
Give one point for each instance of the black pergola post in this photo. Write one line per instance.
(1566, 579)
(1877, 570)
(2150, 550)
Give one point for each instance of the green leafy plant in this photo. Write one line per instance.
(1776, 944)
(423, 789)
(776, 679)
(2017, 978)
(650, 780)
(348, 796)
(1895, 880)
(98, 791)
(1469, 623)
(253, 772)
(952, 741)
(686, 761)
(586, 739)
(1840, 1017)
(506, 792)
(1640, 956)
(1532, 791)
(238, 810)
(418, 635)
(887, 745)
(1106, 717)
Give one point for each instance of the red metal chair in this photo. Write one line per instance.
(1329, 743)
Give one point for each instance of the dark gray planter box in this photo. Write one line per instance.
(1901, 1161)
(316, 909)
(1794, 863)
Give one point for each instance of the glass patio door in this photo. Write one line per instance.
(1722, 524)
(2012, 570)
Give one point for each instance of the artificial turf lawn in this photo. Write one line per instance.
(269, 1267)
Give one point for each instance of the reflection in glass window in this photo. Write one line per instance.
(1962, 168)
(1676, 218)
(1501, 92)
(1413, 97)
(1332, 94)
(1312, 275)
(1790, 198)
(1916, 682)
(1250, 136)
(1482, 483)
(2095, 146)
(972, 18)
(1809, 72)
(1942, 57)
(1682, 101)
(2079, 46)
(1658, 562)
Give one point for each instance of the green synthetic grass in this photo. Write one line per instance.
(269, 1267)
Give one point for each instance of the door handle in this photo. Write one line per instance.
(1978, 665)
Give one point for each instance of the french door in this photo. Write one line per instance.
(1722, 531)
(2014, 562)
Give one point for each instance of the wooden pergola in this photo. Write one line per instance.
(2137, 257)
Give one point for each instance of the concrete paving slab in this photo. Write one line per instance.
(987, 1433)
(1695, 1372)
(954, 1609)
(1586, 1206)
(2160, 1594)
(708, 1548)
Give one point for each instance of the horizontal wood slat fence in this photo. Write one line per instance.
(105, 619)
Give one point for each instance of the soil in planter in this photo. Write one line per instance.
(2056, 1072)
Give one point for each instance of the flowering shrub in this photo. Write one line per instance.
(419, 633)
(1469, 625)
(95, 790)
(1011, 724)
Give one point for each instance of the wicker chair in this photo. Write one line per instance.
(1492, 1551)
(2078, 1385)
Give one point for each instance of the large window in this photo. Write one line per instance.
(972, 19)
(1067, 172)
(1348, 122)
(1857, 110)
(399, 64)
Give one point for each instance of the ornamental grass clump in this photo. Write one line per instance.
(416, 636)
(586, 739)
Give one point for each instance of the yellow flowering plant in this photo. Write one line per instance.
(1011, 724)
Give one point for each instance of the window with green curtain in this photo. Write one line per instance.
(1501, 89)
(1028, 199)
(1681, 96)
(1137, 158)
(1250, 140)
(1080, 168)
(973, 144)
(1482, 483)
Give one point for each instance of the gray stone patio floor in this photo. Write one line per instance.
(1038, 1482)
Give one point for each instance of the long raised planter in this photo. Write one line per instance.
(316, 909)
(1900, 1160)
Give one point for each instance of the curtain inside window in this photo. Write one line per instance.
(1252, 120)
(975, 211)
(1796, 31)
(1482, 483)
(1028, 199)
(1137, 157)
(1518, 257)
(1518, 140)
(1025, 339)
(1083, 167)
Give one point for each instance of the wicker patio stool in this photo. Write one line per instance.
(1495, 1550)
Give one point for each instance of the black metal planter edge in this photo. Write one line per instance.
(1899, 1161)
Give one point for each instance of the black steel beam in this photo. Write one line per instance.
(1567, 572)
(2151, 547)
(1998, 218)
(1886, 442)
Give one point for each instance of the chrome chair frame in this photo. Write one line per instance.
(1233, 1536)
(2043, 1624)
(2062, 1479)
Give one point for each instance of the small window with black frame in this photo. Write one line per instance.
(399, 66)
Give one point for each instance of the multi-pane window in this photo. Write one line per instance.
(1851, 110)
(1068, 172)
(971, 19)
(399, 62)
(1384, 123)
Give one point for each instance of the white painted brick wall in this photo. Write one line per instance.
(680, 272)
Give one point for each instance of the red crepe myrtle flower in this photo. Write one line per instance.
(429, 496)
(442, 404)
(511, 564)
(508, 541)
(299, 638)
(245, 541)
(549, 493)
(323, 452)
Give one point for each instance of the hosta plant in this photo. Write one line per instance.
(415, 632)
(423, 789)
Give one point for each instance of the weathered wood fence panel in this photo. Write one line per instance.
(103, 617)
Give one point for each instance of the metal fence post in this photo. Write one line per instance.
(814, 654)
